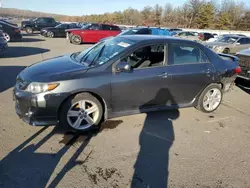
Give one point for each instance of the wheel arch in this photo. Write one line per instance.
(98, 97)
(196, 99)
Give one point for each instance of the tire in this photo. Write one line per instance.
(50, 34)
(76, 39)
(203, 99)
(29, 30)
(226, 51)
(7, 37)
(75, 104)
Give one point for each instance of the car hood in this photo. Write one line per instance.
(55, 69)
(217, 44)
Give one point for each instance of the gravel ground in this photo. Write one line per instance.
(180, 148)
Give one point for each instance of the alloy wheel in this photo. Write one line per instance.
(50, 34)
(83, 114)
(212, 99)
(6, 36)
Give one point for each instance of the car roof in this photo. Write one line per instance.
(139, 38)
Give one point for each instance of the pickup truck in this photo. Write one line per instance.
(37, 24)
(244, 62)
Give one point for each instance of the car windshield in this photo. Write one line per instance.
(228, 39)
(102, 51)
(129, 32)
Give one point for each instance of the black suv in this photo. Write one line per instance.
(37, 24)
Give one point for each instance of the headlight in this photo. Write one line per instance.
(36, 87)
(219, 48)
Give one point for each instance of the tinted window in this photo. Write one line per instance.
(106, 27)
(184, 54)
(248, 41)
(148, 56)
(144, 31)
(94, 27)
(244, 41)
(115, 28)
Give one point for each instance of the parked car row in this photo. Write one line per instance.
(10, 31)
(229, 44)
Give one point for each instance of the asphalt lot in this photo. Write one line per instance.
(181, 148)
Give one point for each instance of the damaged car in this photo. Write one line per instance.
(123, 75)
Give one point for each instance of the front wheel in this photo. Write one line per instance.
(82, 112)
(7, 37)
(76, 39)
(226, 51)
(210, 99)
(29, 30)
(50, 34)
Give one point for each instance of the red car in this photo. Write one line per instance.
(92, 33)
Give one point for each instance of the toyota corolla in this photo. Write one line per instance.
(121, 76)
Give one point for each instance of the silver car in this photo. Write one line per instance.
(229, 44)
(188, 35)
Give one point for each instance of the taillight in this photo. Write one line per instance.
(237, 70)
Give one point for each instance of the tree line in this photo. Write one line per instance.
(202, 14)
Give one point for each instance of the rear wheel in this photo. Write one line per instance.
(6, 36)
(50, 34)
(76, 39)
(29, 30)
(210, 99)
(82, 112)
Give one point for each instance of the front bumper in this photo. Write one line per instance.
(38, 109)
(43, 33)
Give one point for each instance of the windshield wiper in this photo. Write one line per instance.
(97, 56)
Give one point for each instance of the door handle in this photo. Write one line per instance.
(164, 75)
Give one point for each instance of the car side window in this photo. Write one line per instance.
(186, 54)
(106, 27)
(49, 20)
(248, 41)
(94, 27)
(115, 28)
(242, 41)
(146, 57)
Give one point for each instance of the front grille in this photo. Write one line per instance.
(21, 84)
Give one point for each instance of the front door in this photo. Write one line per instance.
(146, 85)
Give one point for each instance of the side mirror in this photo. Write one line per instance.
(123, 66)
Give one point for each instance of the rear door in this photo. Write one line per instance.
(191, 71)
